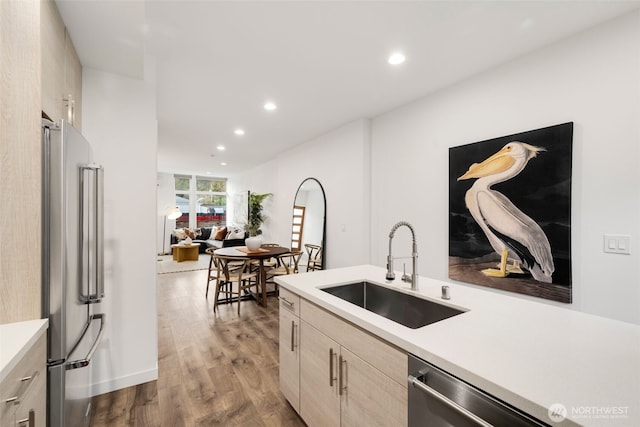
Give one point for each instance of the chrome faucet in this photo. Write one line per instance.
(413, 279)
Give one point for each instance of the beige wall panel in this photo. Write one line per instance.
(53, 61)
(20, 160)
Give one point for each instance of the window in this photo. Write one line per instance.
(207, 198)
(182, 185)
(211, 202)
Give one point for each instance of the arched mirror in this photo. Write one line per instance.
(308, 224)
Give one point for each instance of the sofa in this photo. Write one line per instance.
(210, 237)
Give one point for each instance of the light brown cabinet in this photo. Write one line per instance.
(290, 348)
(61, 69)
(23, 397)
(369, 397)
(72, 95)
(347, 377)
(319, 394)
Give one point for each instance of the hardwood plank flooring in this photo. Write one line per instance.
(213, 369)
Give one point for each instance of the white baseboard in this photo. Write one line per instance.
(124, 382)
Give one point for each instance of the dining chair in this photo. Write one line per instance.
(267, 263)
(286, 264)
(314, 257)
(233, 270)
(214, 273)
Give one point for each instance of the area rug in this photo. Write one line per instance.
(166, 264)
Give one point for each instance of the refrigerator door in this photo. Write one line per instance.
(65, 153)
(70, 383)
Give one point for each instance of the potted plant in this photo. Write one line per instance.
(255, 220)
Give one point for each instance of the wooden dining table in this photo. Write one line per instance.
(260, 255)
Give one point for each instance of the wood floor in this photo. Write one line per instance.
(214, 369)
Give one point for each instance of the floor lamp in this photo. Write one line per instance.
(170, 213)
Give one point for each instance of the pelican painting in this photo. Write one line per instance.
(510, 212)
(511, 233)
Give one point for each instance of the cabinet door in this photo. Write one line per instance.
(53, 60)
(319, 399)
(73, 81)
(369, 398)
(290, 357)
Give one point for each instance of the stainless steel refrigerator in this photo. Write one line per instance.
(72, 273)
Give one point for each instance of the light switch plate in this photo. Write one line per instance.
(617, 244)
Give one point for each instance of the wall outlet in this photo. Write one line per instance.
(617, 244)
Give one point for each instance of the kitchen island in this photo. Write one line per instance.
(23, 373)
(531, 355)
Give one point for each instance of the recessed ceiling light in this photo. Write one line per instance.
(239, 131)
(220, 147)
(223, 164)
(396, 59)
(270, 106)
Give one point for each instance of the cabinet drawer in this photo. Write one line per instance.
(33, 405)
(289, 301)
(382, 355)
(27, 376)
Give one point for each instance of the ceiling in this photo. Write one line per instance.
(324, 63)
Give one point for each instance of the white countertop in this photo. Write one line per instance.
(16, 339)
(529, 354)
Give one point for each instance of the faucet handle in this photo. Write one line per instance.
(405, 277)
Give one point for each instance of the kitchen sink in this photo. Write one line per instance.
(408, 310)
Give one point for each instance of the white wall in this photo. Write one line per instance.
(258, 180)
(592, 79)
(339, 160)
(120, 122)
(396, 168)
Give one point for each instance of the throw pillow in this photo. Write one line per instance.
(179, 233)
(236, 234)
(220, 234)
(190, 233)
(205, 233)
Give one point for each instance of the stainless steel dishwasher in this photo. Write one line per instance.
(438, 399)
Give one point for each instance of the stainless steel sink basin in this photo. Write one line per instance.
(408, 310)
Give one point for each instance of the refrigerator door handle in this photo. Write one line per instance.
(81, 363)
(92, 232)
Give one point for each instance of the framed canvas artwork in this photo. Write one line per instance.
(510, 212)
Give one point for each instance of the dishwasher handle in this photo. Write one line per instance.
(415, 382)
